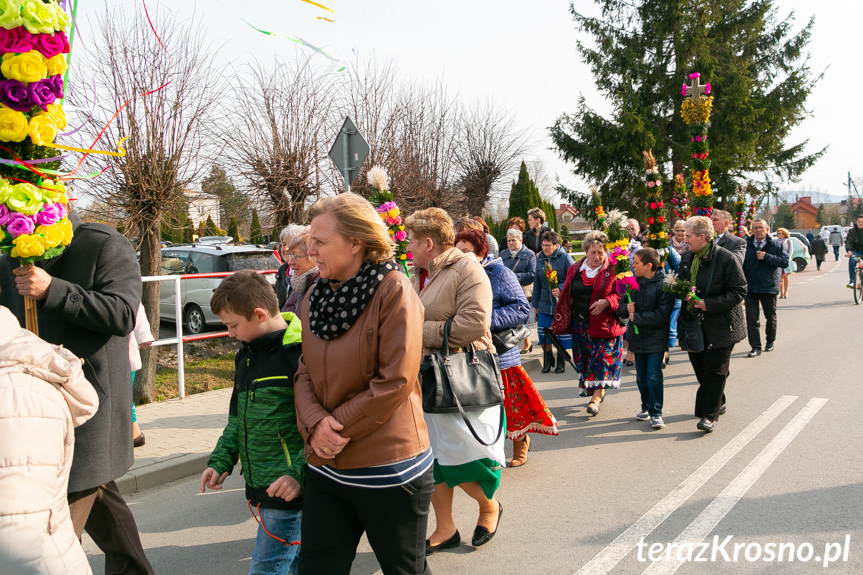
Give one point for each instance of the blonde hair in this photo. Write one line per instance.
(700, 225)
(357, 219)
(467, 223)
(783, 231)
(592, 238)
(432, 223)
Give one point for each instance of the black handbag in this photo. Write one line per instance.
(459, 382)
(690, 334)
(506, 339)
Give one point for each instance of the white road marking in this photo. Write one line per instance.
(708, 519)
(605, 560)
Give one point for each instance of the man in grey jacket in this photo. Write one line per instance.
(87, 299)
(724, 237)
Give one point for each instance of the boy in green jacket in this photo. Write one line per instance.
(262, 426)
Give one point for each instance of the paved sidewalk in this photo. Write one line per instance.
(181, 433)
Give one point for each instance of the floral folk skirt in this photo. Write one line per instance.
(598, 360)
(525, 409)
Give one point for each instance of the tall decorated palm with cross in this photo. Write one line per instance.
(695, 112)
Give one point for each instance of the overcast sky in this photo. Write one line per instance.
(522, 55)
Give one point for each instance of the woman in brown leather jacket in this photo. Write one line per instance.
(358, 399)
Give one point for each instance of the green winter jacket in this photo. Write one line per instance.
(262, 424)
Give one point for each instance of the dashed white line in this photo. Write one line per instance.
(605, 560)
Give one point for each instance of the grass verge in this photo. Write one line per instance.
(201, 375)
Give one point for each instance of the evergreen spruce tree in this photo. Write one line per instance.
(188, 228)
(640, 55)
(210, 228)
(784, 217)
(232, 203)
(255, 235)
(819, 217)
(523, 196)
(233, 231)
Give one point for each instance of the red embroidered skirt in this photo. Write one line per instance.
(525, 409)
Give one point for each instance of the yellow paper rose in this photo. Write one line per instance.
(52, 234)
(43, 129)
(28, 246)
(13, 125)
(27, 67)
(39, 18)
(56, 111)
(5, 190)
(54, 191)
(65, 226)
(394, 212)
(10, 14)
(2, 234)
(56, 65)
(25, 198)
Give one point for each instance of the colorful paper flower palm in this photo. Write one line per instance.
(695, 111)
(382, 199)
(657, 238)
(34, 221)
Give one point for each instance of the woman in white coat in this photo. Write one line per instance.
(43, 397)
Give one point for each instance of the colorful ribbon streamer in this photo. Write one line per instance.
(119, 154)
(320, 6)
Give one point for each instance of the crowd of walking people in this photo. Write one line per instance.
(341, 421)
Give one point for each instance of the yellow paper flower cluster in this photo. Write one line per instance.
(42, 128)
(36, 16)
(697, 110)
(701, 183)
(621, 243)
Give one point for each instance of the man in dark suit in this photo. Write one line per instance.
(762, 266)
(87, 298)
(724, 237)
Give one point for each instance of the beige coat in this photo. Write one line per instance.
(43, 397)
(457, 287)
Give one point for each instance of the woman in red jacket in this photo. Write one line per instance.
(586, 309)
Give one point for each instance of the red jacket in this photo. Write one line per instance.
(603, 325)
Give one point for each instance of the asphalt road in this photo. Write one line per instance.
(782, 471)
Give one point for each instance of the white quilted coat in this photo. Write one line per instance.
(43, 397)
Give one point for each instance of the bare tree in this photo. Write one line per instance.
(488, 150)
(278, 134)
(165, 128)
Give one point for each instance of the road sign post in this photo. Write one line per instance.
(349, 151)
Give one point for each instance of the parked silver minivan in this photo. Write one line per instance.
(196, 292)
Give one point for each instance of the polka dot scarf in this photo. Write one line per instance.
(332, 311)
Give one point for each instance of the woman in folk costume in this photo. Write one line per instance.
(525, 409)
(453, 285)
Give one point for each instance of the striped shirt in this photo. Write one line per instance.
(380, 476)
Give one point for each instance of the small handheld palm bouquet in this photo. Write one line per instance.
(681, 289)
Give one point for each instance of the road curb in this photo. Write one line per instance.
(162, 472)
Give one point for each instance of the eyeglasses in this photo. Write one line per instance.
(295, 257)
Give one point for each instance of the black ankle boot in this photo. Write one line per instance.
(549, 359)
(560, 366)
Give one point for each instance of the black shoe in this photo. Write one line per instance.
(755, 352)
(769, 347)
(481, 535)
(140, 440)
(706, 425)
(549, 359)
(722, 410)
(560, 366)
(453, 541)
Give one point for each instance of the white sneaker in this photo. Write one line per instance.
(643, 416)
(657, 422)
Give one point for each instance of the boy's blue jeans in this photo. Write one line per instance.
(672, 331)
(648, 376)
(271, 556)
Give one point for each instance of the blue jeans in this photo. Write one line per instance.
(648, 376)
(852, 265)
(672, 332)
(271, 556)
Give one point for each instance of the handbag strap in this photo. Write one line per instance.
(470, 427)
(444, 348)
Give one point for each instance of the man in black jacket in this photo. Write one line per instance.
(87, 300)
(724, 238)
(763, 267)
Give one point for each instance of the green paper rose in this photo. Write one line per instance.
(25, 199)
(10, 14)
(39, 18)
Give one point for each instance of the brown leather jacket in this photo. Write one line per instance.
(367, 379)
